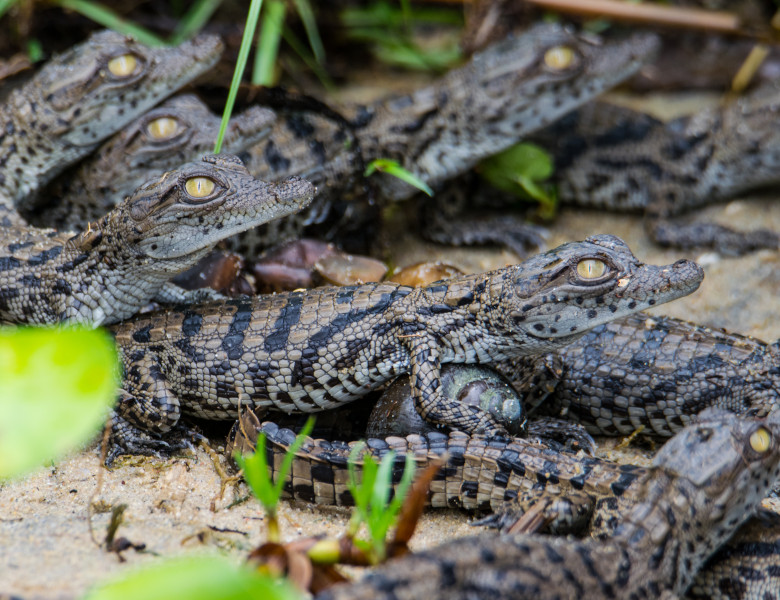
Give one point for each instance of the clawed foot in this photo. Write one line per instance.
(126, 438)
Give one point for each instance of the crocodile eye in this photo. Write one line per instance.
(163, 128)
(199, 187)
(559, 58)
(761, 440)
(123, 65)
(591, 268)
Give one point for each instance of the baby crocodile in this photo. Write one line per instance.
(654, 373)
(81, 97)
(180, 130)
(615, 158)
(704, 483)
(502, 94)
(106, 273)
(313, 350)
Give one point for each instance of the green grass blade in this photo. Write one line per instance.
(284, 469)
(194, 20)
(243, 54)
(306, 14)
(307, 58)
(391, 167)
(108, 18)
(268, 44)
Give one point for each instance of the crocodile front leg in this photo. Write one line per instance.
(425, 379)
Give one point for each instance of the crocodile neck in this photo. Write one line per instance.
(30, 155)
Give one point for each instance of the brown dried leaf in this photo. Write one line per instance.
(340, 268)
(413, 507)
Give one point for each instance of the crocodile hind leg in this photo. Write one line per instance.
(536, 510)
(460, 215)
(147, 409)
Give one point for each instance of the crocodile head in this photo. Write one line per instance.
(710, 477)
(97, 87)
(554, 297)
(179, 131)
(176, 218)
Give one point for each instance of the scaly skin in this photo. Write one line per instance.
(654, 373)
(119, 264)
(704, 484)
(485, 475)
(81, 97)
(314, 350)
(180, 130)
(614, 158)
(502, 95)
(438, 132)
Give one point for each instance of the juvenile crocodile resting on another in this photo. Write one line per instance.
(615, 158)
(704, 483)
(81, 97)
(180, 130)
(313, 350)
(120, 263)
(653, 373)
(503, 94)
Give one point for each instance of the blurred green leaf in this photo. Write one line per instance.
(56, 386)
(197, 578)
(391, 167)
(388, 28)
(5, 5)
(34, 50)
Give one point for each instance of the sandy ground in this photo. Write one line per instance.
(45, 545)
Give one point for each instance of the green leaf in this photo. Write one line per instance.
(56, 386)
(197, 578)
(268, 43)
(108, 18)
(520, 170)
(243, 55)
(391, 167)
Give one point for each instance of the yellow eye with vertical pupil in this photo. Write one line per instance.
(199, 187)
(591, 268)
(123, 65)
(760, 440)
(559, 58)
(163, 128)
